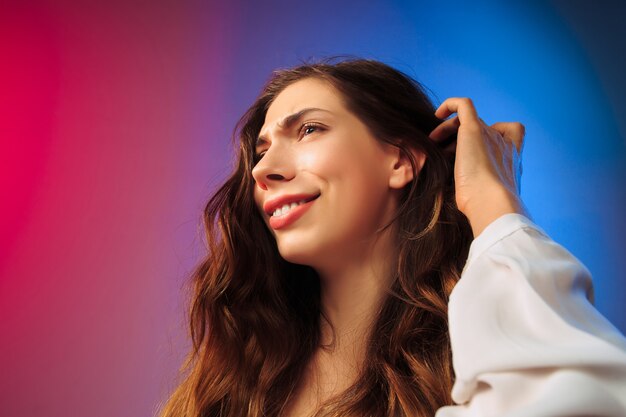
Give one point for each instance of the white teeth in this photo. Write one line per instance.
(281, 211)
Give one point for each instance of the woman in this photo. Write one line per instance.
(334, 248)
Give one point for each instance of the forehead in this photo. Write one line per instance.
(306, 93)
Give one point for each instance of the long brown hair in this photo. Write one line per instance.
(255, 318)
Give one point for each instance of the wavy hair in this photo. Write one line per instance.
(255, 318)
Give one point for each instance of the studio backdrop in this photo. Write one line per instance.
(115, 127)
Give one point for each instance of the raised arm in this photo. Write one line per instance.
(526, 339)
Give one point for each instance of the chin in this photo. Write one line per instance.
(300, 255)
(315, 254)
(299, 250)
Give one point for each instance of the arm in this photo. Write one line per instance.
(526, 340)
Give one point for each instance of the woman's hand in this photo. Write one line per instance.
(487, 166)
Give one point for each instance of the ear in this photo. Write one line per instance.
(401, 172)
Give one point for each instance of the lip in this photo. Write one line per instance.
(271, 205)
(293, 215)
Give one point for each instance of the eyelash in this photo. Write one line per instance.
(308, 125)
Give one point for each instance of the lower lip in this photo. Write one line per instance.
(293, 215)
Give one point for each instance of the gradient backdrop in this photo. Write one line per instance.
(115, 119)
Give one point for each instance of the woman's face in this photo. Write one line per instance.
(323, 181)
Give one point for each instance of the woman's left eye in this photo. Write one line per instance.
(309, 128)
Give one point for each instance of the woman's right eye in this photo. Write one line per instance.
(257, 156)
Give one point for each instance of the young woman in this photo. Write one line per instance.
(334, 249)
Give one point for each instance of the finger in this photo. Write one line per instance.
(446, 129)
(511, 131)
(463, 107)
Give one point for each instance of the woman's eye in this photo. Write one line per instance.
(257, 157)
(309, 128)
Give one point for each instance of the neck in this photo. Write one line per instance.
(352, 293)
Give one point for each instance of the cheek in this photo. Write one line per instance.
(357, 189)
(258, 202)
(352, 164)
(258, 199)
(333, 158)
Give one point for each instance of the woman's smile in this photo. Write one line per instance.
(287, 208)
(289, 213)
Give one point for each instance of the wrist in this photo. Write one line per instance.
(486, 208)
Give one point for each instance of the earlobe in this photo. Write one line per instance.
(402, 171)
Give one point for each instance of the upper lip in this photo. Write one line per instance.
(272, 204)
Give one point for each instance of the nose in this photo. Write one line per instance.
(274, 167)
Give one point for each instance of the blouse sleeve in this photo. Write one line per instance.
(526, 339)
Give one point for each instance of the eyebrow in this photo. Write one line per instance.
(290, 120)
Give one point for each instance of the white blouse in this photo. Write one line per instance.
(526, 339)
